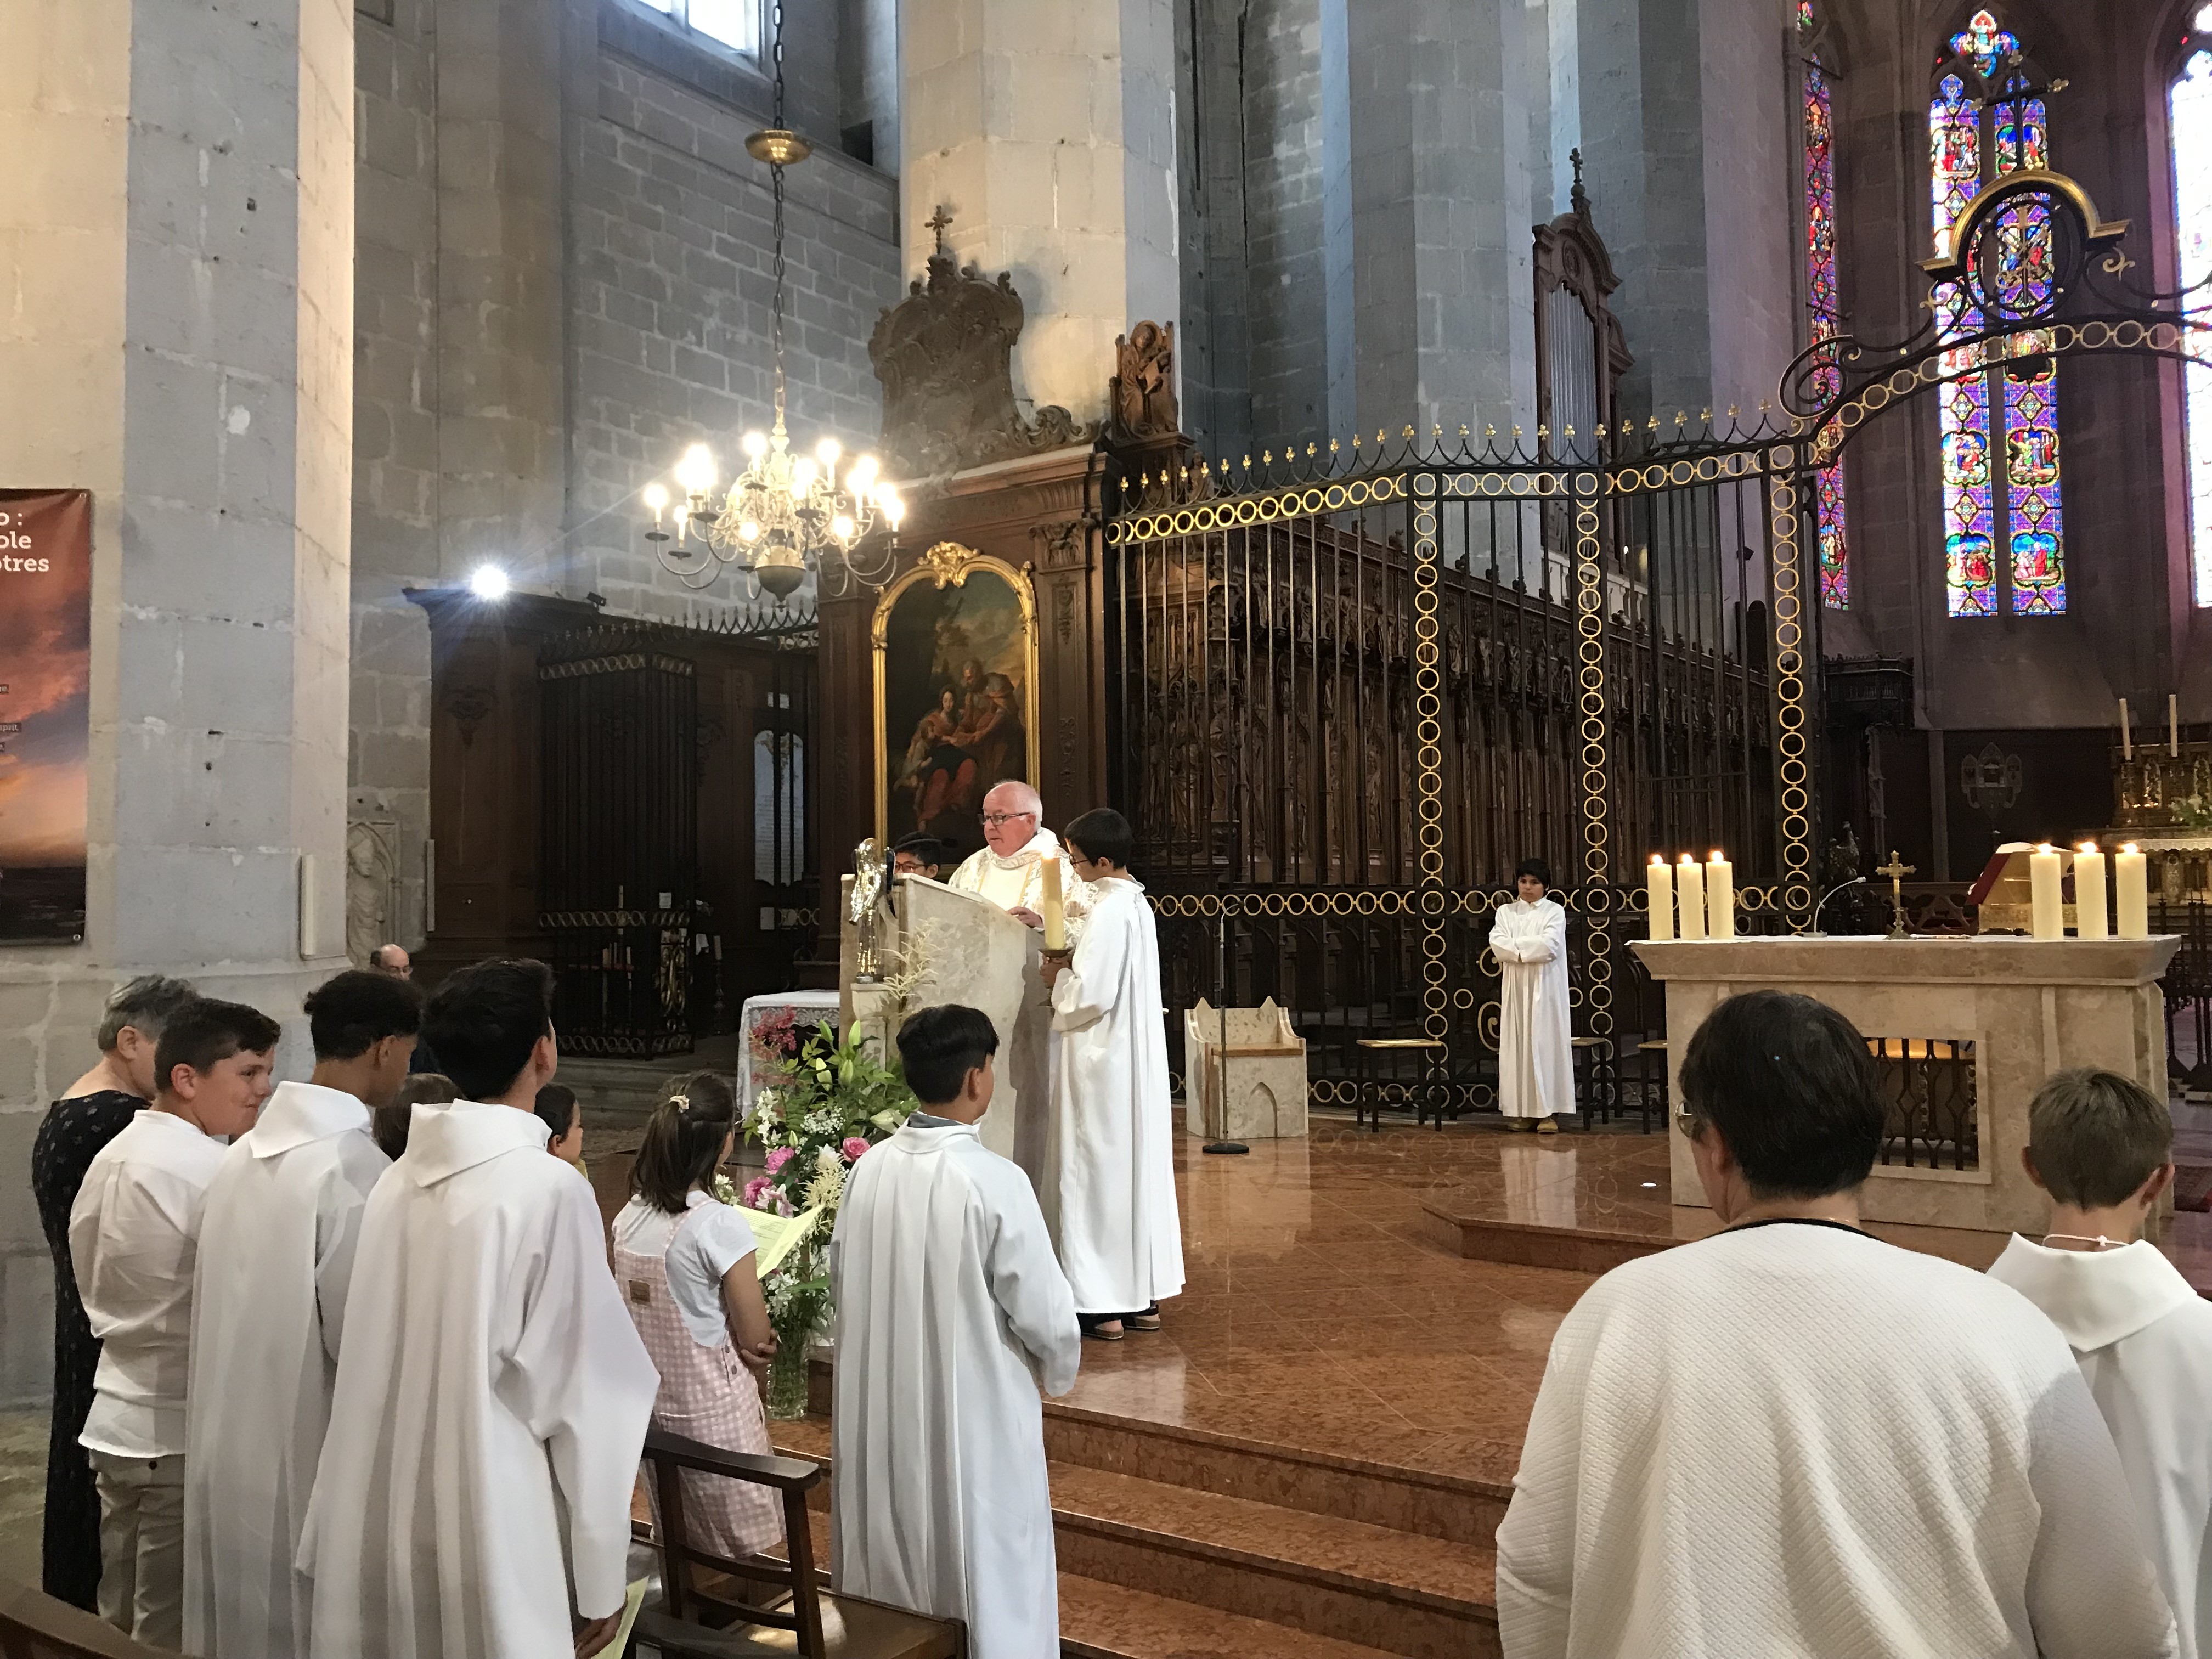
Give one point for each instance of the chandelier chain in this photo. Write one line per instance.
(776, 186)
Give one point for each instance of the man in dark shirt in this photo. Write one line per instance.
(89, 1115)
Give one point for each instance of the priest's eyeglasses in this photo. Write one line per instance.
(993, 820)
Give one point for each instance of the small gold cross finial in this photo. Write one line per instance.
(1897, 870)
(938, 221)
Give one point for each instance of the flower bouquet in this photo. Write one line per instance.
(833, 1100)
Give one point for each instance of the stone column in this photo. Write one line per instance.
(176, 225)
(1433, 292)
(1047, 128)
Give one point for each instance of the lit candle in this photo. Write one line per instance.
(2047, 906)
(2127, 743)
(2173, 724)
(2089, 892)
(1056, 909)
(1720, 897)
(2131, 892)
(1659, 889)
(1690, 887)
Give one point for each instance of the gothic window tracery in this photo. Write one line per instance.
(2189, 108)
(2003, 517)
(1823, 299)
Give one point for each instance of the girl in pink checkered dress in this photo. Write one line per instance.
(684, 1263)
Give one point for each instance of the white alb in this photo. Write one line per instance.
(276, 1256)
(1792, 1441)
(1535, 1052)
(1120, 1239)
(2143, 1340)
(952, 1313)
(489, 1389)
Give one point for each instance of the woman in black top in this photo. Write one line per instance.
(90, 1115)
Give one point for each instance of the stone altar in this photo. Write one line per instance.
(2012, 1011)
(935, 946)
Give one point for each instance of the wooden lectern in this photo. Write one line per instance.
(974, 953)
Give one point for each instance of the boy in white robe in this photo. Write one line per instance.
(1535, 1049)
(1792, 1441)
(1121, 1236)
(2102, 1145)
(492, 1395)
(952, 1313)
(276, 1255)
(134, 1236)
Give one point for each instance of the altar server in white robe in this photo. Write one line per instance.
(2102, 1145)
(1794, 1441)
(952, 1313)
(1120, 1238)
(277, 1250)
(1535, 1051)
(1008, 869)
(492, 1395)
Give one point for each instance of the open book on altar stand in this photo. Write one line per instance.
(935, 946)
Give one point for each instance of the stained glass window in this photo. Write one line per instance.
(2190, 104)
(2003, 524)
(1823, 304)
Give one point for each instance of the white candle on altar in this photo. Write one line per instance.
(1689, 888)
(2046, 903)
(1659, 892)
(2131, 892)
(2127, 744)
(1720, 896)
(2089, 892)
(2173, 724)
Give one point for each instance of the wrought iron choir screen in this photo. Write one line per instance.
(1354, 692)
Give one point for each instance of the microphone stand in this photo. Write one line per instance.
(1220, 1126)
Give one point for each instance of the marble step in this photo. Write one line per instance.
(1098, 1620)
(1352, 1582)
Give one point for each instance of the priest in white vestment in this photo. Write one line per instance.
(1120, 1237)
(951, 1315)
(1792, 1441)
(2102, 1145)
(1535, 1051)
(492, 1395)
(1008, 869)
(276, 1256)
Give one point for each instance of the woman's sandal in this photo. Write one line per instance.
(1149, 1320)
(1094, 1327)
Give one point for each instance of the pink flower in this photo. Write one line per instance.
(754, 1188)
(777, 1157)
(853, 1146)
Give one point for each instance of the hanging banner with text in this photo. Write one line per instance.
(46, 724)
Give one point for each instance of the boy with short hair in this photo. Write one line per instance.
(951, 1313)
(134, 1240)
(275, 1264)
(492, 1395)
(2101, 1145)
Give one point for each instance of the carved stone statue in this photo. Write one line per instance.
(944, 357)
(1144, 403)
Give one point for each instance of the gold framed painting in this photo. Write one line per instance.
(956, 662)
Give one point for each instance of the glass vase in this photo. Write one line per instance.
(786, 1395)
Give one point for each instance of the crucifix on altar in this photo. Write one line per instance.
(1897, 870)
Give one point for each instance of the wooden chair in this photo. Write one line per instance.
(805, 1621)
(34, 1626)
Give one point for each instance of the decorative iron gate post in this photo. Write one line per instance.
(1596, 715)
(1429, 795)
(1793, 782)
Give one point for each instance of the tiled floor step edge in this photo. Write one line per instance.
(1422, 1501)
(1423, 1597)
(1099, 1621)
(1528, 1244)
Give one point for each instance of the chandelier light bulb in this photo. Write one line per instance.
(755, 444)
(841, 527)
(696, 471)
(894, 509)
(827, 453)
(656, 497)
(803, 474)
(860, 475)
(749, 530)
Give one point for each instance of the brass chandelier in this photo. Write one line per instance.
(785, 514)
